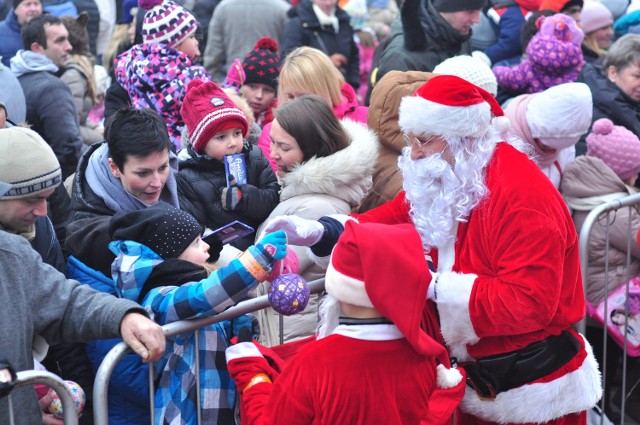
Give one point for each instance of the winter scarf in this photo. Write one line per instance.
(107, 187)
(517, 114)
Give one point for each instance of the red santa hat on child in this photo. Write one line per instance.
(384, 267)
(449, 106)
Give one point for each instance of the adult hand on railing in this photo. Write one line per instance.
(144, 336)
(300, 231)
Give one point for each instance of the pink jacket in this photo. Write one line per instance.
(347, 108)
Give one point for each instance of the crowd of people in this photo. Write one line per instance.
(432, 160)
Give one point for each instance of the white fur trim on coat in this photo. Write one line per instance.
(453, 291)
(421, 116)
(242, 350)
(541, 402)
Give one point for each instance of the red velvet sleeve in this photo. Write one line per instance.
(395, 211)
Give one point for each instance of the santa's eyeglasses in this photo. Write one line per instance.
(421, 142)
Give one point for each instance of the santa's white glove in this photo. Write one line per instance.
(481, 56)
(300, 231)
(432, 292)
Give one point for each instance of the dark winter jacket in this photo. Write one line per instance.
(420, 40)
(128, 391)
(51, 110)
(67, 359)
(608, 102)
(201, 179)
(304, 29)
(10, 36)
(508, 29)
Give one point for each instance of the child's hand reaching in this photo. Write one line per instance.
(275, 244)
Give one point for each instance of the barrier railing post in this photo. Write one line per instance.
(30, 377)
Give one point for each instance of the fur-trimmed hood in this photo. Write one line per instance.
(346, 174)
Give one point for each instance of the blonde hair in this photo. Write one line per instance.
(119, 39)
(310, 71)
(591, 42)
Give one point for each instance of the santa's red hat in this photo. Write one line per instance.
(384, 267)
(449, 106)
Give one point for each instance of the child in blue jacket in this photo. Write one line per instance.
(161, 262)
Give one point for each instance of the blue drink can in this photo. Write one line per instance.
(234, 166)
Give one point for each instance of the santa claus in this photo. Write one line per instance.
(506, 269)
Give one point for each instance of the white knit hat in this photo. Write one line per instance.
(471, 69)
(28, 166)
(561, 114)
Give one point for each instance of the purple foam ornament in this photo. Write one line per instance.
(289, 294)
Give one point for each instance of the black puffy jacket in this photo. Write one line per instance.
(304, 29)
(201, 180)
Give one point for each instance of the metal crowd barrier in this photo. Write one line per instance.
(30, 377)
(605, 215)
(103, 374)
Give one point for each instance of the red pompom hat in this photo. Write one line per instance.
(206, 110)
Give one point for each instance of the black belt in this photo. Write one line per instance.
(491, 375)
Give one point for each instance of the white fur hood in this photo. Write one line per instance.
(346, 174)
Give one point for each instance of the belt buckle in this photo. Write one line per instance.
(490, 394)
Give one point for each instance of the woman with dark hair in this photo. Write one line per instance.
(133, 169)
(324, 167)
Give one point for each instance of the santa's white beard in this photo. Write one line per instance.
(329, 316)
(440, 194)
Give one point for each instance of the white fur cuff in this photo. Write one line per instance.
(452, 293)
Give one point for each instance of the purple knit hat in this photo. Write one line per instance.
(616, 146)
(166, 22)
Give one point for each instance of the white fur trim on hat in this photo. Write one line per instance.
(453, 292)
(345, 288)
(420, 116)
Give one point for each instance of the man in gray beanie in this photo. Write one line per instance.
(29, 173)
(427, 33)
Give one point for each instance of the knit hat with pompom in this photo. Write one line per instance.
(262, 64)
(616, 146)
(166, 22)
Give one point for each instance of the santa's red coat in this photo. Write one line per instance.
(515, 280)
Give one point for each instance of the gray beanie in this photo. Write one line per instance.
(458, 5)
(28, 166)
